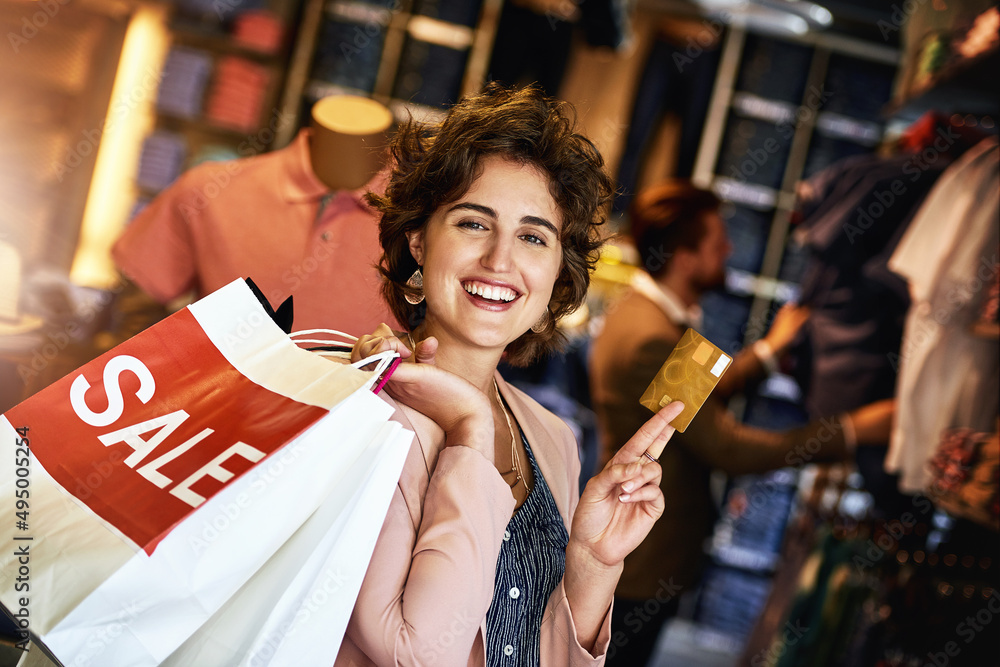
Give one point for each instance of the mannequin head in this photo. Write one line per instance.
(347, 145)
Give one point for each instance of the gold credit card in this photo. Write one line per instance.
(689, 375)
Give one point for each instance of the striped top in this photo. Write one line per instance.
(531, 564)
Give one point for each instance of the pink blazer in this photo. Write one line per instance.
(430, 582)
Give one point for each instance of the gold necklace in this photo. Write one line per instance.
(515, 463)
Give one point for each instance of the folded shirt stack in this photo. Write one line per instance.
(237, 94)
(185, 76)
(259, 29)
(161, 160)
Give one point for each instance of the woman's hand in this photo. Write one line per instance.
(620, 504)
(615, 513)
(462, 411)
(384, 339)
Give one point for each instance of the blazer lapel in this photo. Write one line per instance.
(545, 445)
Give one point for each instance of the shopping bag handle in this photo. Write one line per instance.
(386, 362)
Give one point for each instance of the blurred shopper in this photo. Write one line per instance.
(682, 242)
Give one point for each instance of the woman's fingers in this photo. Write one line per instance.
(649, 493)
(625, 478)
(652, 437)
(382, 339)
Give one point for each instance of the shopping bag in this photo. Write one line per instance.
(295, 609)
(168, 471)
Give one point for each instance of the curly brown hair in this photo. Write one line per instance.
(435, 164)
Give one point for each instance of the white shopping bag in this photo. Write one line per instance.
(295, 609)
(167, 472)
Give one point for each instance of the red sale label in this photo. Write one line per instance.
(147, 432)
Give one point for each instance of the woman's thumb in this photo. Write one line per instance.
(426, 351)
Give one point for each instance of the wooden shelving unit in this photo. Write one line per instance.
(390, 27)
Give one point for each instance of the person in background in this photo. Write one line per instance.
(682, 243)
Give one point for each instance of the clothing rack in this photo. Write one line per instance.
(904, 586)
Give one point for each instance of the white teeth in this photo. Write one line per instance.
(493, 293)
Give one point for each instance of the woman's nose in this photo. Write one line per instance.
(498, 255)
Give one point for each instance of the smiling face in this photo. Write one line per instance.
(491, 258)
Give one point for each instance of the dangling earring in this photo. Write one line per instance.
(543, 322)
(416, 281)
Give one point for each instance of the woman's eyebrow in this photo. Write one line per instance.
(479, 208)
(540, 222)
(487, 211)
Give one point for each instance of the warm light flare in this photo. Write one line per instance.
(130, 117)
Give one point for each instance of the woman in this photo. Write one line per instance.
(489, 228)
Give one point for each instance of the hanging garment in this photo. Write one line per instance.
(671, 82)
(947, 375)
(857, 210)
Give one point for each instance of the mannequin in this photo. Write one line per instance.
(295, 220)
(346, 147)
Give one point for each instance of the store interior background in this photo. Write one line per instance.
(91, 130)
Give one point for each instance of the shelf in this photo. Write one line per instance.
(781, 387)
(433, 31)
(713, 640)
(402, 110)
(749, 105)
(741, 558)
(223, 43)
(837, 126)
(744, 283)
(755, 196)
(358, 12)
(316, 90)
(181, 124)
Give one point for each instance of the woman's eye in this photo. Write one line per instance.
(471, 224)
(534, 240)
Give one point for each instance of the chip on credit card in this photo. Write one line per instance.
(689, 375)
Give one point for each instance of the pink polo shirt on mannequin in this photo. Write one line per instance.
(270, 219)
